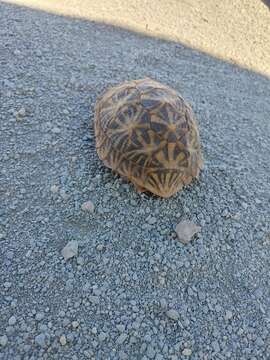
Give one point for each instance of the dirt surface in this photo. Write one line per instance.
(125, 287)
(237, 31)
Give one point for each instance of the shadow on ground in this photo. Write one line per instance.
(266, 2)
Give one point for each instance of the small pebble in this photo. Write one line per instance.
(102, 336)
(151, 220)
(75, 324)
(39, 316)
(121, 339)
(94, 330)
(120, 327)
(62, 313)
(64, 195)
(56, 130)
(150, 352)
(3, 340)
(100, 247)
(88, 206)
(40, 340)
(187, 352)
(173, 314)
(228, 315)
(80, 260)
(70, 250)
(13, 303)
(93, 299)
(216, 346)
(54, 189)
(186, 230)
(260, 342)
(12, 320)
(7, 285)
(21, 113)
(38, 53)
(63, 340)
(147, 338)
(163, 303)
(123, 355)
(201, 296)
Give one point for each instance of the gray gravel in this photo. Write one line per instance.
(134, 291)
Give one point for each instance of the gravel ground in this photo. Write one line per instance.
(133, 291)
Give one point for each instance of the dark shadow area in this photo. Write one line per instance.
(266, 2)
(112, 301)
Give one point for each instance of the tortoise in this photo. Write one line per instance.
(146, 132)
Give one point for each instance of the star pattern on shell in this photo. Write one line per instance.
(146, 132)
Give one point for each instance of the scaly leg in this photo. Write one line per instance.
(139, 188)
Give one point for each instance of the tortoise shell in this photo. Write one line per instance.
(146, 132)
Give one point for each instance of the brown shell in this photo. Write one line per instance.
(147, 133)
